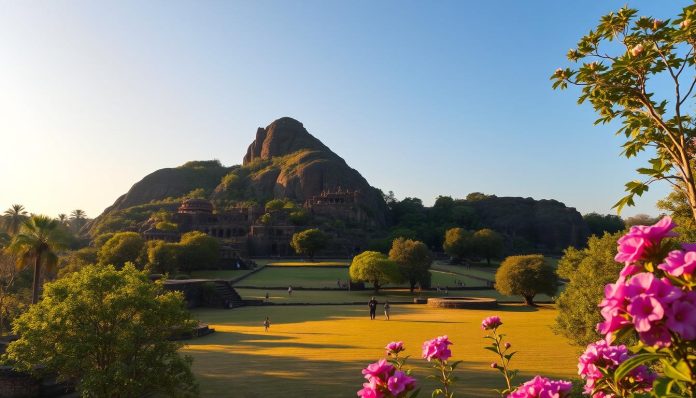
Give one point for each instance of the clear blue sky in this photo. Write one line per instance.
(423, 98)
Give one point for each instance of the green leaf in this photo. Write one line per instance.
(492, 349)
(509, 356)
(631, 363)
(679, 372)
(415, 393)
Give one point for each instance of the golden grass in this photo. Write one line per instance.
(308, 263)
(318, 351)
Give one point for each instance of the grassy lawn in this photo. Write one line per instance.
(344, 296)
(219, 274)
(308, 263)
(319, 351)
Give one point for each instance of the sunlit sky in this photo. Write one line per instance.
(423, 98)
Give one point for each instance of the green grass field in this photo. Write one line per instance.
(319, 351)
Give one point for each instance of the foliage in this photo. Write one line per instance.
(164, 257)
(587, 271)
(199, 251)
(458, 243)
(309, 242)
(11, 304)
(375, 268)
(15, 216)
(38, 241)
(621, 56)
(599, 224)
(122, 248)
(167, 226)
(299, 217)
(109, 330)
(75, 260)
(275, 205)
(78, 218)
(487, 243)
(526, 276)
(414, 260)
(503, 351)
(678, 208)
(640, 219)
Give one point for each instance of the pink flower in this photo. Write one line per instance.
(631, 248)
(400, 382)
(681, 318)
(437, 348)
(630, 269)
(380, 370)
(679, 263)
(601, 355)
(645, 310)
(657, 336)
(640, 238)
(370, 390)
(541, 387)
(395, 347)
(492, 322)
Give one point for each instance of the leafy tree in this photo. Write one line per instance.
(63, 219)
(110, 331)
(75, 260)
(587, 271)
(198, 251)
(299, 217)
(38, 241)
(10, 304)
(164, 257)
(15, 216)
(526, 276)
(620, 58)
(309, 242)
(677, 205)
(167, 226)
(122, 248)
(458, 243)
(375, 268)
(599, 223)
(414, 260)
(641, 219)
(487, 243)
(476, 196)
(266, 219)
(275, 205)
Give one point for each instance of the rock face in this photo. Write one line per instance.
(282, 137)
(548, 225)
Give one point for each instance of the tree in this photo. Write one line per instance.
(15, 216)
(587, 271)
(198, 251)
(601, 223)
(110, 331)
(487, 243)
(10, 305)
(414, 260)
(677, 205)
(526, 276)
(309, 242)
(39, 240)
(275, 205)
(164, 257)
(375, 268)
(641, 219)
(78, 218)
(620, 57)
(122, 248)
(63, 219)
(458, 243)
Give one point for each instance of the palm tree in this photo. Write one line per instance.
(77, 220)
(15, 216)
(63, 218)
(39, 240)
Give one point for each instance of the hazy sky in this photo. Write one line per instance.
(423, 98)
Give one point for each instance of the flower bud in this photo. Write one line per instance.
(494, 365)
(508, 345)
(635, 51)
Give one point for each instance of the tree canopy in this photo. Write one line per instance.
(488, 244)
(414, 259)
(458, 243)
(375, 268)
(526, 276)
(121, 248)
(309, 242)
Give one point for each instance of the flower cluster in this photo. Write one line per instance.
(394, 348)
(385, 381)
(600, 358)
(492, 322)
(437, 348)
(653, 306)
(541, 387)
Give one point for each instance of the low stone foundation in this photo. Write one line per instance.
(473, 303)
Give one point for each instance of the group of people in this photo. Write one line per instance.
(372, 305)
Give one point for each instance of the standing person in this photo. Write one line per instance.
(289, 290)
(266, 324)
(387, 307)
(267, 298)
(372, 304)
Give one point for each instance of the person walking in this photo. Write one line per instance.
(372, 304)
(267, 298)
(289, 290)
(387, 308)
(266, 324)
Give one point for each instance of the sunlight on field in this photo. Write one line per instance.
(309, 264)
(318, 351)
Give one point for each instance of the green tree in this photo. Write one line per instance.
(275, 205)
(164, 257)
(198, 251)
(122, 248)
(641, 219)
(309, 242)
(458, 243)
(414, 260)
(375, 268)
(620, 58)
(526, 276)
(487, 243)
(15, 216)
(78, 218)
(677, 206)
(599, 223)
(110, 331)
(63, 219)
(587, 271)
(38, 241)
